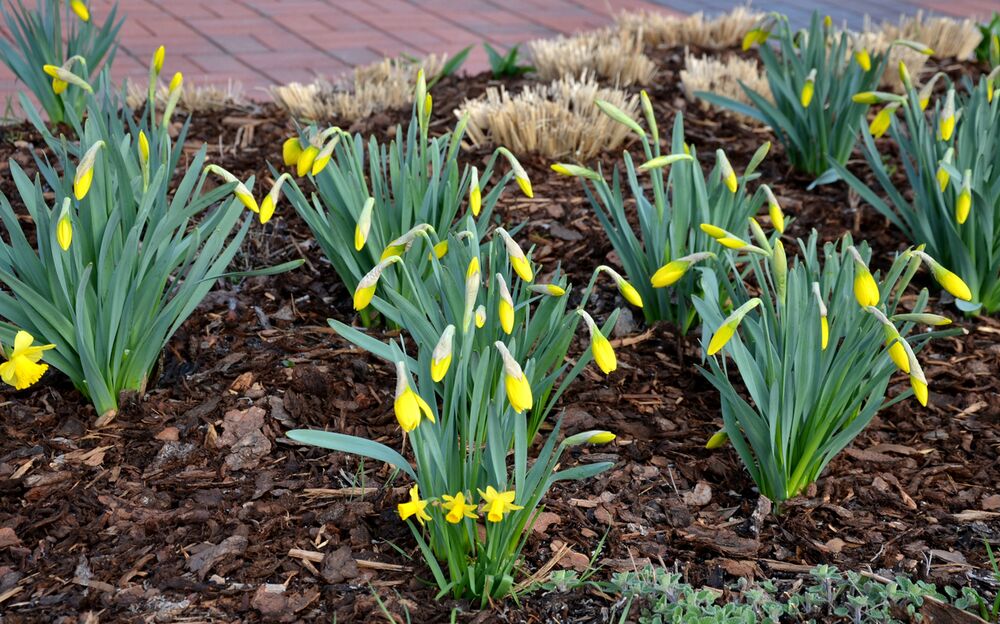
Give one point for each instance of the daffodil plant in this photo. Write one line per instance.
(124, 252)
(813, 75)
(366, 203)
(666, 245)
(952, 197)
(483, 363)
(816, 344)
(57, 66)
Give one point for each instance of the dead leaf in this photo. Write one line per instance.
(544, 520)
(339, 566)
(991, 503)
(8, 537)
(202, 561)
(700, 496)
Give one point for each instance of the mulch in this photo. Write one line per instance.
(192, 506)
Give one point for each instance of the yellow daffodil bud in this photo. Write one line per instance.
(143, 148)
(897, 352)
(472, 281)
(324, 156)
(924, 318)
(306, 159)
(924, 97)
(865, 288)
(520, 262)
(505, 309)
(600, 346)
(674, 270)
(176, 83)
(876, 97)
(366, 287)
(158, 58)
(754, 36)
(727, 330)
(601, 437)
(774, 210)
(80, 9)
(64, 227)
(364, 224)
(84, 176)
(880, 124)
(23, 367)
(904, 77)
(864, 59)
(409, 406)
(626, 289)
(647, 111)
(726, 169)
(917, 379)
(291, 150)
(63, 76)
(241, 192)
(718, 440)
(824, 324)
(520, 175)
(552, 290)
(660, 162)
(948, 280)
(270, 202)
(480, 317)
(808, 89)
(827, 22)
(724, 238)
(402, 244)
(475, 194)
(415, 507)
(619, 116)
(946, 123)
(575, 171)
(516, 382)
(440, 250)
(780, 263)
(497, 504)
(457, 508)
(964, 203)
(942, 175)
(441, 356)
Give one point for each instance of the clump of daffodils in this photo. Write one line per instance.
(482, 365)
(813, 75)
(951, 202)
(660, 253)
(817, 344)
(369, 201)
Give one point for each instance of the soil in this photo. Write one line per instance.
(193, 506)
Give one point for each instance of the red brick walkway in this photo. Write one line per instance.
(262, 42)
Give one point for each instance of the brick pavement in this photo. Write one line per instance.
(262, 42)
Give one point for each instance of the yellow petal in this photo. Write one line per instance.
(506, 313)
(522, 266)
(669, 273)
(824, 332)
(720, 338)
(291, 149)
(363, 297)
(604, 354)
(80, 9)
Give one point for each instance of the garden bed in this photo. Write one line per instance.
(193, 501)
